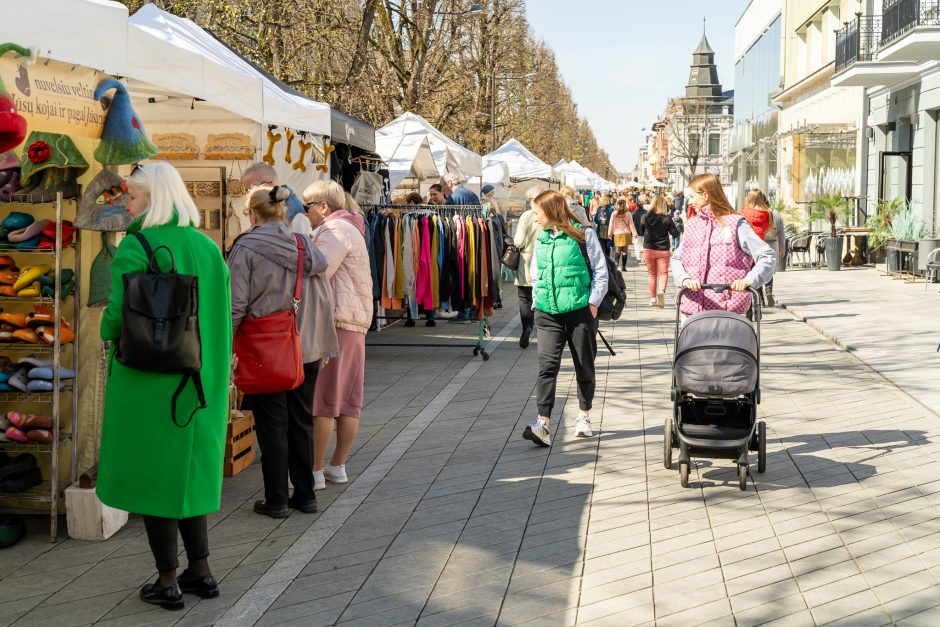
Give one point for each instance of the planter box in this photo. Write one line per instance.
(88, 518)
(239, 446)
(924, 248)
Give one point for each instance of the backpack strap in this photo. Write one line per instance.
(300, 268)
(145, 245)
(584, 253)
(200, 394)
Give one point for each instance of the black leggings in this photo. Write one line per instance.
(162, 534)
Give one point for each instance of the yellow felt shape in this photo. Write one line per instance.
(304, 148)
(327, 149)
(290, 145)
(273, 139)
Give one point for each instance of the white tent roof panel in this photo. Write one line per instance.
(407, 156)
(449, 156)
(520, 162)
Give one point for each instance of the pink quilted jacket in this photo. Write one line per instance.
(341, 240)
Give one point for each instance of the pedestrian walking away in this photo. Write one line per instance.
(527, 231)
(602, 223)
(768, 224)
(337, 399)
(657, 230)
(169, 473)
(621, 228)
(572, 197)
(719, 248)
(566, 295)
(641, 209)
(263, 263)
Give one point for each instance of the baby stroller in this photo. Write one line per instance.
(716, 390)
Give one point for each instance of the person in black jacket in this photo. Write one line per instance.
(657, 229)
(637, 217)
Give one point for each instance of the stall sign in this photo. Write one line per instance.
(55, 97)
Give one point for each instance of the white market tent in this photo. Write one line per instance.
(92, 33)
(407, 157)
(175, 54)
(449, 156)
(495, 173)
(521, 163)
(575, 177)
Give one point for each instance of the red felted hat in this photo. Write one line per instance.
(12, 124)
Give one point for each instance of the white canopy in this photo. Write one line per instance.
(449, 156)
(560, 165)
(407, 156)
(575, 177)
(520, 162)
(495, 173)
(174, 53)
(92, 33)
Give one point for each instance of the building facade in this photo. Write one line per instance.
(891, 49)
(696, 128)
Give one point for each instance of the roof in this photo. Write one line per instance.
(449, 156)
(703, 47)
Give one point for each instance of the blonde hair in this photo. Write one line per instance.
(351, 205)
(330, 192)
(267, 202)
(166, 194)
(555, 208)
(756, 198)
(659, 205)
(568, 192)
(709, 185)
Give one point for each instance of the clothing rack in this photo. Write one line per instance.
(474, 211)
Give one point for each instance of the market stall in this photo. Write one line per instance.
(410, 161)
(525, 170)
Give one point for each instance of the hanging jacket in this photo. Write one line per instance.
(340, 238)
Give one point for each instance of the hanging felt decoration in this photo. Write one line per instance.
(304, 148)
(12, 124)
(123, 140)
(273, 138)
(290, 145)
(51, 163)
(103, 206)
(99, 283)
(327, 149)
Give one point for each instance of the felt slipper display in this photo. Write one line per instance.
(25, 422)
(33, 230)
(30, 274)
(46, 374)
(19, 380)
(15, 435)
(36, 361)
(42, 436)
(48, 235)
(28, 335)
(17, 320)
(33, 281)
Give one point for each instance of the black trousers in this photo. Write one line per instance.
(162, 534)
(284, 425)
(578, 330)
(525, 306)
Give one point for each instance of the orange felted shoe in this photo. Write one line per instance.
(15, 319)
(47, 335)
(8, 290)
(9, 278)
(26, 335)
(6, 262)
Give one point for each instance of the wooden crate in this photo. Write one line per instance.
(239, 446)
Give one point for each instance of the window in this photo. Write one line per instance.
(693, 143)
(714, 144)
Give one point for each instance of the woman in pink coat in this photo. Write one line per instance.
(337, 400)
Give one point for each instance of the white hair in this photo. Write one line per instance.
(330, 192)
(167, 198)
(453, 179)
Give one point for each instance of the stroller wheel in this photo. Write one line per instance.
(667, 444)
(761, 446)
(742, 476)
(684, 474)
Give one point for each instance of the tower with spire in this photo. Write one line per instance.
(703, 77)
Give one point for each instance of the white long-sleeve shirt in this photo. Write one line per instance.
(598, 268)
(763, 255)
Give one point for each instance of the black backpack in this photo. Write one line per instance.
(616, 297)
(160, 331)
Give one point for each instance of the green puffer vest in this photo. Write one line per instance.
(564, 282)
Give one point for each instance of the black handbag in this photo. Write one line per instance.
(511, 255)
(160, 331)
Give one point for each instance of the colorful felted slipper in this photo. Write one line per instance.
(29, 336)
(46, 374)
(20, 381)
(25, 422)
(29, 232)
(38, 385)
(30, 274)
(36, 361)
(17, 220)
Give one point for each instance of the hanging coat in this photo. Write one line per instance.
(148, 465)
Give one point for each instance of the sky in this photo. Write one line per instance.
(641, 50)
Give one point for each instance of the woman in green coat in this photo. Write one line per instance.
(172, 476)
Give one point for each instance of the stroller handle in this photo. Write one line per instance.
(719, 288)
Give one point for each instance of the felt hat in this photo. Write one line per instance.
(17, 220)
(51, 163)
(103, 206)
(99, 282)
(124, 140)
(9, 161)
(12, 124)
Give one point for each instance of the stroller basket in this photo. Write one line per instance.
(716, 356)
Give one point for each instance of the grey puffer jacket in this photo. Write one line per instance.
(263, 264)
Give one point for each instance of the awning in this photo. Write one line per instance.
(347, 129)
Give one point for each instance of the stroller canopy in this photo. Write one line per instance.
(717, 356)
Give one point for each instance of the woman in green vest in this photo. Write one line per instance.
(171, 476)
(566, 294)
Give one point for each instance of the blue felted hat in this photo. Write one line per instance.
(123, 140)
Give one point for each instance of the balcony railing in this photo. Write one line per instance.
(858, 40)
(900, 16)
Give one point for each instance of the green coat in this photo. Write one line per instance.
(564, 281)
(148, 465)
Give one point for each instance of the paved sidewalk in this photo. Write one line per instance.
(451, 518)
(891, 325)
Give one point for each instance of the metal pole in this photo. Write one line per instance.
(493, 105)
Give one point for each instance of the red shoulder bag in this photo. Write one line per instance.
(268, 347)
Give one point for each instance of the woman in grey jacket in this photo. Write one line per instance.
(263, 264)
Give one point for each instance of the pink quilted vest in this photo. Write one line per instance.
(711, 254)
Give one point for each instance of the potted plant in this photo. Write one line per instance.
(907, 228)
(880, 237)
(834, 209)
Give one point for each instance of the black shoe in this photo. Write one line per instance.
(524, 340)
(205, 587)
(307, 507)
(430, 323)
(409, 322)
(169, 598)
(261, 507)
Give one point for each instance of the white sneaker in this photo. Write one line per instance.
(653, 302)
(582, 427)
(537, 432)
(335, 474)
(319, 482)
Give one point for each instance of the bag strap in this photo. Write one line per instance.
(145, 244)
(200, 394)
(300, 268)
(153, 264)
